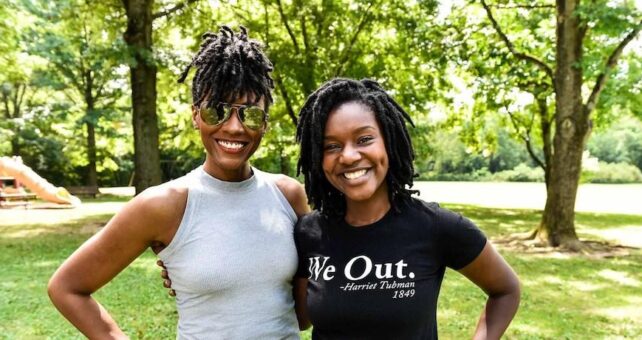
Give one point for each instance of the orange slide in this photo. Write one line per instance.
(12, 166)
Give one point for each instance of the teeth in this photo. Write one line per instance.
(231, 145)
(355, 174)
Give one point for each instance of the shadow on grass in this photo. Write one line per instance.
(495, 222)
(87, 225)
(573, 297)
(135, 298)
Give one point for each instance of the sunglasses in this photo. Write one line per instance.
(252, 117)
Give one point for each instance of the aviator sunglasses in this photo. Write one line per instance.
(252, 117)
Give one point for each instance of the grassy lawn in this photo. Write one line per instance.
(564, 297)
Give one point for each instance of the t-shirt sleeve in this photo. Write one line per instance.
(461, 241)
(299, 242)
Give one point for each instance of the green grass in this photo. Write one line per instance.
(568, 297)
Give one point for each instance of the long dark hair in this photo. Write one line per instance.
(391, 118)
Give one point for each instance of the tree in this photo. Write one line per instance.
(82, 57)
(14, 81)
(314, 41)
(143, 71)
(588, 42)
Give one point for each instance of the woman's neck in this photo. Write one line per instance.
(234, 175)
(366, 212)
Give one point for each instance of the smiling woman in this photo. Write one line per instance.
(371, 257)
(355, 161)
(223, 231)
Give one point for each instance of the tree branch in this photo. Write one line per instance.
(353, 40)
(266, 17)
(526, 137)
(20, 98)
(169, 11)
(286, 97)
(511, 47)
(521, 6)
(610, 65)
(239, 11)
(304, 34)
(5, 100)
(69, 73)
(287, 26)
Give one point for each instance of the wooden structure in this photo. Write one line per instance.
(12, 193)
(86, 191)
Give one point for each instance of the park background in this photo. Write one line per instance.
(518, 91)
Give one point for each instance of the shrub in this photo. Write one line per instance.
(476, 176)
(521, 173)
(613, 173)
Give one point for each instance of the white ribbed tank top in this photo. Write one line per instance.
(232, 260)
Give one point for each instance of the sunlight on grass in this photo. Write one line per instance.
(631, 311)
(619, 277)
(565, 296)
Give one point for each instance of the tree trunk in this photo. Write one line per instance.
(92, 177)
(545, 126)
(571, 127)
(143, 82)
(9, 116)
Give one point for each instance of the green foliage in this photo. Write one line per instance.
(79, 85)
(441, 61)
(613, 173)
(622, 143)
(450, 159)
(521, 173)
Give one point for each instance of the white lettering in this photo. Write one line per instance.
(326, 273)
(366, 271)
(400, 265)
(388, 274)
(316, 267)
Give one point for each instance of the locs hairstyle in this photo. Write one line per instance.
(391, 118)
(230, 65)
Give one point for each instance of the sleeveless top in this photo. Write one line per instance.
(232, 260)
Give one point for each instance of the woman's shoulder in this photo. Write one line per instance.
(291, 189)
(434, 211)
(310, 223)
(160, 206)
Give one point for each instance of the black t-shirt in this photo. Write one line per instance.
(381, 281)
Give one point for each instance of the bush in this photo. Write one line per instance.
(476, 176)
(613, 173)
(521, 173)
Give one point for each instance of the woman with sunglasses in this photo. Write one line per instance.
(372, 256)
(224, 231)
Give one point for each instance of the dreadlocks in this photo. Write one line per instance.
(228, 66)
(310, 130)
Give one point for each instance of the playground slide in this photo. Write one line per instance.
(13, 167)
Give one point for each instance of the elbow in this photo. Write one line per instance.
(61, 289)
(55, 289)
(510, 290)
(513, 291)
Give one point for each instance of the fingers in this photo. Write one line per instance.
(167, 283)
(160, 264)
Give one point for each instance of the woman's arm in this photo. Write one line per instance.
(300, 302)
(141, 222)
(295, 194)
(494, 276)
